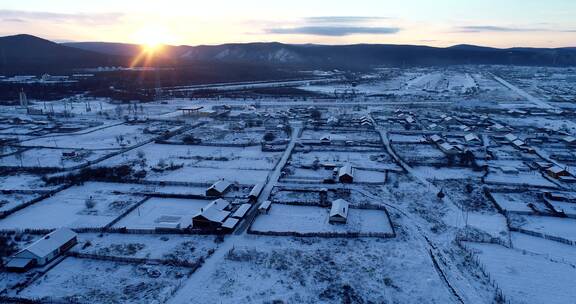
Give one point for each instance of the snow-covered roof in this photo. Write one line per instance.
(471, 137)
(518, 142)
(230, 223)
(435, 138)
(50, 242)
(256, 190)
(510, 137)
(221, 186)
(265, 205)
(446, 146)
(213, 214)
(345, 170)
(241, 211)
(219, 204)
(339, 208)
(556, 170)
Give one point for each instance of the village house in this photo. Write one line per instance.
(219, 188)
(472, 139)
(43, 251)
(211, 216)
(339, 211)
(346, 174)
(557, 172)
(436, 139)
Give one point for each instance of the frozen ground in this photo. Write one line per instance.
(107, 282)
(433, 199)
(526, 277)
(308, 219)
(69, 208)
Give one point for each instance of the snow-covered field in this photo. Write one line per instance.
(113, 137)
(309, 219)
(525, 277)
(107, 282)
(166, 247)
(147, 214)
(69, 208)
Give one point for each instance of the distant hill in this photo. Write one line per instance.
(350, 56)
(26, 53)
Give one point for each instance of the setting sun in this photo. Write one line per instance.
(153, 37)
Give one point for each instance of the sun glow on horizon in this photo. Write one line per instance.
(153, 37)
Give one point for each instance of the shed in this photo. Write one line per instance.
(219, 188)
(44, 250)
(230, 224)
(436, 138)
(447, 148)
(255, 192)
(510, 137)
(326, 139)
(241, 211)
(346, 174)
(569, 140)
(265, 207)
(339, 211)
(557, 172)
(472, 138)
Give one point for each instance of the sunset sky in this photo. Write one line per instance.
(503, 23)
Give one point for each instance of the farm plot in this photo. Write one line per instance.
(445, 173)
(311, 220)
(423, 154)
(534, 179)
(366, 136)
(191, 174)
(551, 249)
(525, 277)
(147, 215)
(23, 182)
(91, 281)
(287, 196)
(225, 134)
(315, 270)
(52, 158)
(166, 247)
(374, 160)
(11, 200)
(514, 202)
(491, 223)
(149, 156)
(114, 137)
(552, 226)
(89, 205)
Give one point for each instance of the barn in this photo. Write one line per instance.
(43, 251)
(339, 211)
(346, 174)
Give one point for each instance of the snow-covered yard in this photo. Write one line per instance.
(309, 219)
(71, 208)
(146, 215)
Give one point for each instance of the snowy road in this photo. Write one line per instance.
(523, 93)
(189, 288)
